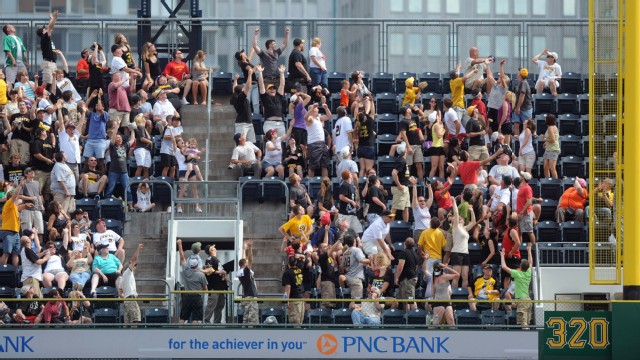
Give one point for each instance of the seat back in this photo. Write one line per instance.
(382, 82)
(8, 276)
(394, 317)
(156, 316)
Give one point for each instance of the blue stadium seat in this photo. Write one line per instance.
(460, 293)
(572, 166)
(569, 124)
(399, 231)
(467, 317)
(534, 183)
(475, 256)
(434, 82)
(584, 125)
(8, 276)
(567, 103)
(387, 124)
(386, 165)
(393, 317)
(548, 209)
(276, 312)
(571, 83)
(382, 82)
(446, 85)
(387, 182)
(251, 191)
(334, 79)
(257, 121)
(162, 192)
(491, 318)
(273, 191)
(221, 83)
(320, 316)
(386, 102)
(107, 292)
(550, 188)
(342, 316)
(313, 186)
(541, 126)
(570, 145)
(548, 231)
(400, 79)
(111, 209)
(416, 317)
(550, 253)
(156, 316)
(583, 104)
(426, 97)
(456, 187)
(384, 143)
(9, 292)
(573, 231)
(106, 316)
(543, 104)
(90, 206)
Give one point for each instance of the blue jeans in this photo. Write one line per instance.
(254, 96)
(81, 278)
(359, 319)
(319, 77)
(115, 178)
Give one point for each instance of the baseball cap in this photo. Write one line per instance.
(238, 54)
(488, 266)
(270, 86)
(102, 246)
(297, 42)
(25, 289)
(524, 72)
(582, 182)
(401, 148)
(193, 262)
(470, 110)
(40, 110)
(325, 219)
(196, 246)
(388, 213)
(270, 133)
(553, 54)
(344, 152)
(293, 98)
(525, 175)
(40, 90)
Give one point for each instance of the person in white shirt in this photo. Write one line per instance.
(104, 236)
(161, 110)
(63, 183)
(376, 238)
(119, 66)
(69, 140)
(550, 72)
(500, 201)
(127, 288)
(317, 65)
(342, 131)
(452, 123)
(347, 164)
(501, 169)
(421, 206)
(246, 156)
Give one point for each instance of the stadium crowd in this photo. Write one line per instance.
(451, 172)
(68, 137)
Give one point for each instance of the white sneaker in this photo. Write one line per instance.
(169, 209)
(179, 209)
(230, 166)
(184, 101)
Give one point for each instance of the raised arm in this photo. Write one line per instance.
(414, 197)
(285, 41)
(261, 88)
(281, 70)
(249, 245)
(134, 258)
(52, 21)
(65, 66)
(183, 260)
(254, 44)
(492, 157)
(535, 58)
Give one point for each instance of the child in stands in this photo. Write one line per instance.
(193, 155)
(144, 203)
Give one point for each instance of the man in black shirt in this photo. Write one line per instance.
(42, 158)
(272, 101)
(240, 102)
(216, 280)
(48, 55)
(298, 73)
(407, 272)
(410, 133)
(400, 175)
(118, 168)
(475, 132)
(22, 128)
(249, 290)
(328, 270)
(244, 63)
(292, 282)
(13, 172)
(349, 204)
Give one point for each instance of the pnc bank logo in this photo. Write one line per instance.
(327, 344)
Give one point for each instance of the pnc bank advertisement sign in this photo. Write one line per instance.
(270, 343)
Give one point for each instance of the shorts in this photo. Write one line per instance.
(493, 115)
(370, 248)
(268, 165)
(524, 116)
(551, 155)
(12, 71)
(526, 223)
(131, 312)
(191, 307)
(31, 218)
(168, 160)
(546, 83)
(355, 285)
(48, 67)
(353, 221)
(296, 312)
(182, 83)
(318, 155)
(523, 313)
(111, 280)
(247, 130)
(250, 312)
(435, 151)
(527, 160)
(95, 148)
(478, 152)
(55, 272)
(460, 259)
(121, 116)
(401, 199)
(469, 83)
(512, 262)
(407, 288)
(10, 241)
(416, 157)
(507, 129)
(327, 291)
(92, 186)
(300, 135)
(367, 152)
(143, 157)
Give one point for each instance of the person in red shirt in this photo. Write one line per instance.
(468, 170)
(480, 105)
(524, 204)
(511, 247)
(82, 72)
(442, 195)
(573, 201)
(177, 72)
